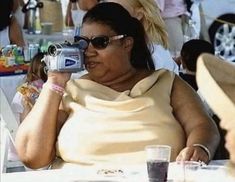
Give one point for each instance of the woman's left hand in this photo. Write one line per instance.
(193, 153)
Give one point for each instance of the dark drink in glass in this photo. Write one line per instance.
(157, 170)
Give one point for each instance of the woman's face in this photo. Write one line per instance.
(106, 65)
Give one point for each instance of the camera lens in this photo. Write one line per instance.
(52, 50)
(82, 44)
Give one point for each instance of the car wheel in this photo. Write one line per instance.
(222, 36)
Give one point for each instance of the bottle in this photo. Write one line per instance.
(32, 16)
(20, 56)
(30, 7)
(190, 31)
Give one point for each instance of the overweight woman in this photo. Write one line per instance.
(122, 105)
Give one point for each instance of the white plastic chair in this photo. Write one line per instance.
(4, 149)
(7, 114)
(9, 127)
(8, 165)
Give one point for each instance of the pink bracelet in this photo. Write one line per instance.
(56, 88)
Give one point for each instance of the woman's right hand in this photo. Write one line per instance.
(59, 78)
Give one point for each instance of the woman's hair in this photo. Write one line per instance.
(5, 13)
(36, 69)
(121, 22)
(152, 21)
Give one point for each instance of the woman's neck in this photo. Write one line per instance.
(128, 80)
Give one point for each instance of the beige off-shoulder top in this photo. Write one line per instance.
(110, 127)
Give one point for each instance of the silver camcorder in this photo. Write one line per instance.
(65, 57)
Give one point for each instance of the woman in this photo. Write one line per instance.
(109, 115)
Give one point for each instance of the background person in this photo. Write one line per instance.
(189, 54)
(110, 114)
(17, 10)
(148, 13)
(174, 13)
(10, 31)
(28, 92)
(81, 5)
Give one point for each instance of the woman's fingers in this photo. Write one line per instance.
(185, 154)
(193, 154)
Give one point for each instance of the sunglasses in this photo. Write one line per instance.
(99, 42)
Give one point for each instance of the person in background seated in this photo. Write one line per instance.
(10, 31)
(83, 5)
(148, 13)
(108, 116)
(28, 92)
(189, 54)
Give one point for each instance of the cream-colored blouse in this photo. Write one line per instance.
(110, 127)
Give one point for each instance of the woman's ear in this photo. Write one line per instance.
(128, 43)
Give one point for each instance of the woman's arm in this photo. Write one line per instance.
(16, 4)
(36, 136)
(15, 33)
(198, 126)
(87, 4)
(68, 16)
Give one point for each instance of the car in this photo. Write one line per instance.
(219, 19)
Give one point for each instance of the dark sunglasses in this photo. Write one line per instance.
(99, 42)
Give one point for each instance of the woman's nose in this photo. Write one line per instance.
(90, 51)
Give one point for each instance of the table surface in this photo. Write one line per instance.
(13, 70)
(130, 174)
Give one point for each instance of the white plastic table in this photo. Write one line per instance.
(89, 174)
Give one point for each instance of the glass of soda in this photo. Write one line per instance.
(158, 158)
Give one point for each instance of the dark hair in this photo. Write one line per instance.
(5, 12)
(192, 49)
(36, 69)
(120, 21)
(188, 5)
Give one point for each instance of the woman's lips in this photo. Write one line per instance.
(91, 64)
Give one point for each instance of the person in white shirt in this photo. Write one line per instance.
(10, 31)
(81, 5)
(148, 13)
(173, 13)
